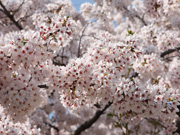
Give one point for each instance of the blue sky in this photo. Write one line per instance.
(77, 3)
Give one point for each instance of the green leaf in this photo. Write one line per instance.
(117, 124)
(144, 62)
(130, 33)
(110, 115)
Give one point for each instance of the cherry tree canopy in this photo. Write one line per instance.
(111, 68)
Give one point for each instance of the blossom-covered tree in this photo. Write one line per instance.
(112, 68)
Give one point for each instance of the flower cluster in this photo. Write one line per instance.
(174, 74)
(137, 101)
(56, 32)
(127, 66)
(23, 67)
(154, 7)
(149, 66)
(7, 127)
(94, 77)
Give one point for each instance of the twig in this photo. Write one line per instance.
(137, 16)
(24, 18)
(170, 58)
(142, 19)
(11, 17)
(1, 10)
(92, 36)
(43, 86)
(90, 122)
(49, 124)
(169, 51)
(58, 63)
(2, 24)
(14, 12)
(79, 46)
(62, 57)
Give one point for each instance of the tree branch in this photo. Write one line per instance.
(24, 17)
(79, 46)
(58, 63)
(52, 126)
(137, 16)
(14, 12)
(141, 19)
(43, 86)
(2, 24)
(11, 17)
(1, 10)
(169, 51)
(90, 122)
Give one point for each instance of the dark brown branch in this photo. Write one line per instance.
(10, 16)
(92, 36)
(43, 86)
(79, 46)
(168, 59)
(137, 16)
(24, 18)
(90, 122)
(62, 56)
(14, 12)
(2, 24)
(52, 126)
(1, 10)
(169, 51)
(58, 63)
(142, 19)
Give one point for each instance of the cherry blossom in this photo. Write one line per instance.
(61, 69)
